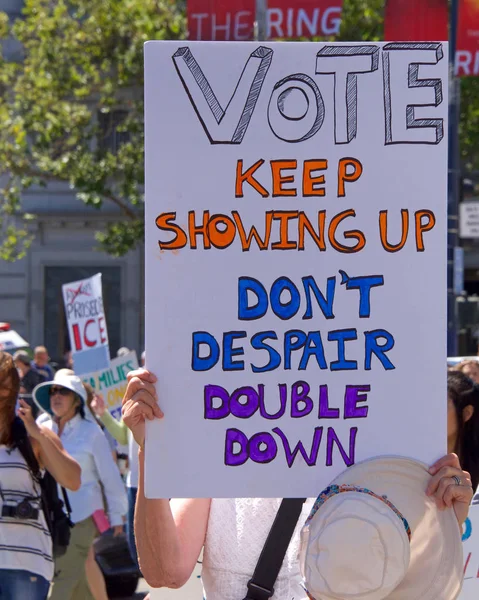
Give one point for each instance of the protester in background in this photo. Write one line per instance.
(123, 436)
(463, 422)
(29, 378)
(64, 399)
(143, 358)
(469, 368)
(41, 363)
(90, 402)
(68, 360)
(171, 535)
(26, 561)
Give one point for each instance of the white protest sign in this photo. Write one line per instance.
(111, 384)
(295, 262)
(86, 324)
(470, 538)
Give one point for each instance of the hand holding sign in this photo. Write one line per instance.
(451, 486)
(140, 403)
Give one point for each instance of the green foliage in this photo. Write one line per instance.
(469, 124)
(362, 20)
(81, 58)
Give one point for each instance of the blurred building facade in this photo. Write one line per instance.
(65, 250)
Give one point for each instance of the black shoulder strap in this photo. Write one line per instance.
(22, 442)
(66, 502)
(261, 585)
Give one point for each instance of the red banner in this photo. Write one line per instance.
(233, 20)
(467, 55)
(416, 20)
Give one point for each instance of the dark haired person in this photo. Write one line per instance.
(463, 422)
(64, 399)
(26, 563)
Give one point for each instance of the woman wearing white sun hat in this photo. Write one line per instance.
(64, 400)
(232, 531)
(374, 534)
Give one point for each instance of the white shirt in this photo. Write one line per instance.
(87, 444)
(237, 531)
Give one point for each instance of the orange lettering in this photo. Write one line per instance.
(354, 234)
(246, 241)
(284, 216)
(279, 179)
(195, 230)
(248, 177)
(310, 184)
(305, 224)
(163, 222)
(420, 228)
(343, 174)
(383, 229)
(221, 239)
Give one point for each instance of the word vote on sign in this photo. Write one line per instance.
(295, 273)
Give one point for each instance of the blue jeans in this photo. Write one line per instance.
(130, 530)
(16, 584)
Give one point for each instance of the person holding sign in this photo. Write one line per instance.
(463, 422)
(416, 514)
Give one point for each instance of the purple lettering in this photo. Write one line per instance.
(249, 407)
(291, 455)
(332, 438)
(300, 396)
(232, 459)
(268, 453)
(283, 395)
(351, 398)
(324, 411)
(212, 412)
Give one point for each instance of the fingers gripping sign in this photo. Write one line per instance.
(450, 486)
(140, 403)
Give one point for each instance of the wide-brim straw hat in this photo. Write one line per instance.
(41, 393)
(373, 534)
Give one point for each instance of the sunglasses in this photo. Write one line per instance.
(59, 390)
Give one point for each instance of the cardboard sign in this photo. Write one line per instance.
(111, 384)
(295, 262)
(233, 20)
(86, 324)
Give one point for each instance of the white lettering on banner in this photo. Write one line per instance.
(345, 63)
(199, 17)
(241, 26)
(467, 63)
(280, 23)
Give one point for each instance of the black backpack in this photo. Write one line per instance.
(58, 522)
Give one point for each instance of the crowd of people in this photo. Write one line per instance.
(63, 422)
(73, 439)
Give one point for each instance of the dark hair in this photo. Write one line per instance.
(464, 392)
(10, 380)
